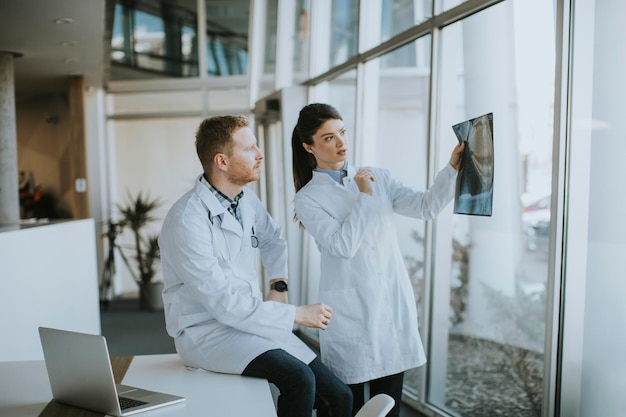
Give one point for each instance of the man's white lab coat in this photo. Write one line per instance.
(214, 307)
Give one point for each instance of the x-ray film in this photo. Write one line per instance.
(474, 184)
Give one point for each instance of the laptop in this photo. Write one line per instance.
(80, 373)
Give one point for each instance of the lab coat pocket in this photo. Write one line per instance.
(344, 346)
(349, 311)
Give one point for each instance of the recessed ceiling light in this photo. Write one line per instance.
(63, 20)
(68, 43)
(71, 60)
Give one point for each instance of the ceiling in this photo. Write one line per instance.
(56, 39)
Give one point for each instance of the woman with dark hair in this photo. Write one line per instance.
(374, 336)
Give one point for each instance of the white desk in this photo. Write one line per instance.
(25, 390)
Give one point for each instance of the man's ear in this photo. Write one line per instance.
(220, 161)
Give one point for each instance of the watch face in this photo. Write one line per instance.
(280, 286)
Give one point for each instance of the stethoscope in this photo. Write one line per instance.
(254, 241)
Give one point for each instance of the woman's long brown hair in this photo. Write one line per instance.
(311, 118)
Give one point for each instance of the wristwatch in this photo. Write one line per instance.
(280, 286)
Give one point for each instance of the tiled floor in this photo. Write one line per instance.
(130, 331)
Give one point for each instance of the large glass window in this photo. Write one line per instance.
(444, 5)
(154, 39)
(344, 30)
(227, 37)
(287, 42)
(271, 29)
(400, 145)
(400, 15)
(158, 39)
(489, 315)
(302, 40)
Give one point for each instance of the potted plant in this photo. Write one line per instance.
(136, 214)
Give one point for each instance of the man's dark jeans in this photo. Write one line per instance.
(302, 387)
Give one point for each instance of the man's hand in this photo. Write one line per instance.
(314, 315)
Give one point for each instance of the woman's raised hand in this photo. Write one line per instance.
(364, 180)
(457, 156)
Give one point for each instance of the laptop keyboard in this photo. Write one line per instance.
(126, 403)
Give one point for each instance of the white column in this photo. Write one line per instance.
(285, 44)
(592, 381)
(9, 194)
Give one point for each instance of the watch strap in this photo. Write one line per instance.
(280, 286)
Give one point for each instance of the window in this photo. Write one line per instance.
(489, 355)
(344, 30)
(400, 15)
(153, 39)
(444, 5)
(158, 39)
(400, 145)
(227, 37)
(302, 40)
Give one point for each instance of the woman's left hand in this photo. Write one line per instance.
(457, 156)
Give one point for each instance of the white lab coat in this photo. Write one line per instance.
(214, 306)
(374, 330)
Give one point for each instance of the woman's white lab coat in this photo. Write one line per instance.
(214, 307)
(374, 330)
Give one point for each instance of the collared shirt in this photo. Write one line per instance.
(232, 205)
(336, 175)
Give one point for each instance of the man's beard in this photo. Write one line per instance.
(245, 178)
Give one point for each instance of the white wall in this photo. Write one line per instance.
(49, 278)
(157, 158)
